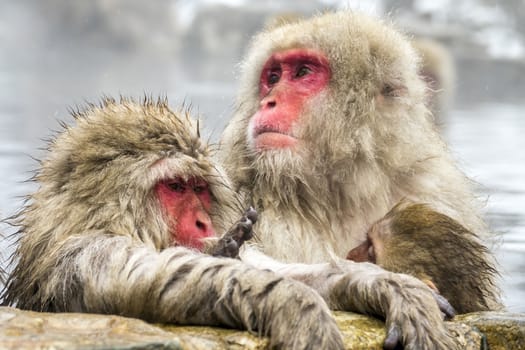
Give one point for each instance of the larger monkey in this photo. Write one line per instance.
(331, 131)
(124, 190)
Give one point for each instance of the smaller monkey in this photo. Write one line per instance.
(415, 239)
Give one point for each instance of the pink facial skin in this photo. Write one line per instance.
(288, 80)
(187, 204)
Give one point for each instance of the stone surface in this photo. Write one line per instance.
(33, 330)
(503, 330)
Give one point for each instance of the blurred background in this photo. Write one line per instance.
(58, 54)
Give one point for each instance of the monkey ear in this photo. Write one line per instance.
(393, 90)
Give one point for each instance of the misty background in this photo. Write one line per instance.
(59, 54)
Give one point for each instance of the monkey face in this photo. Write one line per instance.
(288, 80)
(186, 204)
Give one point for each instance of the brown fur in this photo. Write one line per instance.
(415, 239)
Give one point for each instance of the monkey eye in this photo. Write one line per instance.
(302, 71)
(177, 186)
(274, 76)
(200, 189)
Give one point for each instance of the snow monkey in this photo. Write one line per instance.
(415, 238)
(330, 131)
(127, 198)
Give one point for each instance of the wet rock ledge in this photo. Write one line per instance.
(32, 330)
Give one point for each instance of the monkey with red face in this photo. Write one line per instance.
(331, 130)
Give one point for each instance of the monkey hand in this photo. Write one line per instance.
(427, 329)
(413, 312)
(242, 231)
(293, 315)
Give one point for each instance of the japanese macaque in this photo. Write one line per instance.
(414, 238)
(331, 130)
(126, 200)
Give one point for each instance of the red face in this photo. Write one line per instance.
(288, 80)
(188, 204)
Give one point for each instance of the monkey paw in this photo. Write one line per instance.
(242, 231)
(415, 316)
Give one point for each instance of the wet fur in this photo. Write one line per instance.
(428, 244)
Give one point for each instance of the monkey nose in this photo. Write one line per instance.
(268, 102)
(204, 226)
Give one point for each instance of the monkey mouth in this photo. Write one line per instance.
(267, 138)
(267, 129)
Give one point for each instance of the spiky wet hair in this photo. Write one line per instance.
(100, 172)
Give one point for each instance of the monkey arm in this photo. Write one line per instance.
(115, 275)
(411, 310)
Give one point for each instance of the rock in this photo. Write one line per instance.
(33, 330)
(503, 330)
(362, 332)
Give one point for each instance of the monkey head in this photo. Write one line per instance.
(402, 220)
(126, 165)
(323, 95)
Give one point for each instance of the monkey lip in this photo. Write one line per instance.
(267, 140)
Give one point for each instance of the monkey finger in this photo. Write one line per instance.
(251, 214)
(245, 232)
(247, 236)
(228, 248)
(444, 305)
(231, 249)
(393, 338)
(245, 226)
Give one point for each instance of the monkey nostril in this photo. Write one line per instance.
(201, 225)
(268, 102)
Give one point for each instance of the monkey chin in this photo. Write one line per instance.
(273, 140)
